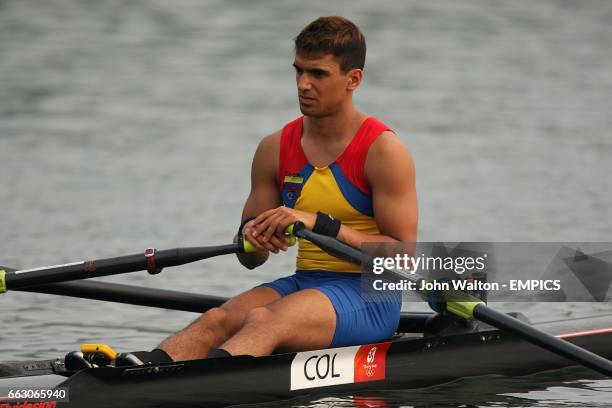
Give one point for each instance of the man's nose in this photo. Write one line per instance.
(303, 83)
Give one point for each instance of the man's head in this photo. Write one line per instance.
(333, 35)
(329, 60)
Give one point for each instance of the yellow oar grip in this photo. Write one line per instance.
(248, 247)
(461, 304)
(463, 309)
(99, 349)
(2, 281)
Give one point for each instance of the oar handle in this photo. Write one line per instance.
(2, 281)
(248, 247)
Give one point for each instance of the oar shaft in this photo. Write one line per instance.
(171, 299)
(332, 246)
(344, 251)
(114, 266)
(132, 295)
(547, 341)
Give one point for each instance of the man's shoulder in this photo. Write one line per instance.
(386, 143)
(265, 161)
(387, 152)
(272, 137)
(270, 143)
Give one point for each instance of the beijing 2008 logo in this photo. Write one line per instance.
(370, 368)
(371, 355)
(370, 362)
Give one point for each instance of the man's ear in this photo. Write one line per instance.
(355, 77)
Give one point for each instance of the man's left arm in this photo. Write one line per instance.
(389, 169)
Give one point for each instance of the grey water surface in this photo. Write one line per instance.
(125, 125)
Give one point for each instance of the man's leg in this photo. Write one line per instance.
(216, 325)
(304, 320)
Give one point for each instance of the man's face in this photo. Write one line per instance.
(322, 87)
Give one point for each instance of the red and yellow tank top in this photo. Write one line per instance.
(339, 189)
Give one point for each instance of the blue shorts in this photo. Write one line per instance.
(358, 321)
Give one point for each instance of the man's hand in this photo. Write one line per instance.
(272, 245)
(268, 229)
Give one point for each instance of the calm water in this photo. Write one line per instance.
(125, 125)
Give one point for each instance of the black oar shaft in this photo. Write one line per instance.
(332, 246)
(132, 295)
(173, 300)
(547, 341)
(344, 251)
(114, 266)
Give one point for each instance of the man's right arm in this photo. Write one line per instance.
(264, 194)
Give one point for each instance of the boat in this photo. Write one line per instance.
(408, 361)
(468, 338)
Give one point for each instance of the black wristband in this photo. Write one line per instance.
(243, 223)
(326, 225)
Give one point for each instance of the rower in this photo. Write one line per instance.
(344, 174)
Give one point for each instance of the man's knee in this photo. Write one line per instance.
(223, 321)
(259, 316)
(216, 315)
(215, 319)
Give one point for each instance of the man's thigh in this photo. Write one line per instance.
(305, 320)
(335, 314)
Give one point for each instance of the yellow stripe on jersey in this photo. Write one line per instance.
(293, 179)
(321, 193)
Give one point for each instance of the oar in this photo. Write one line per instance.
(131, 295)
(151, 260)
(413, 322)
(469, 307)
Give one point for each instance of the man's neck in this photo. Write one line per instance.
(333, 128)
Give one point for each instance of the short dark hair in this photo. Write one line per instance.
(333, 35)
